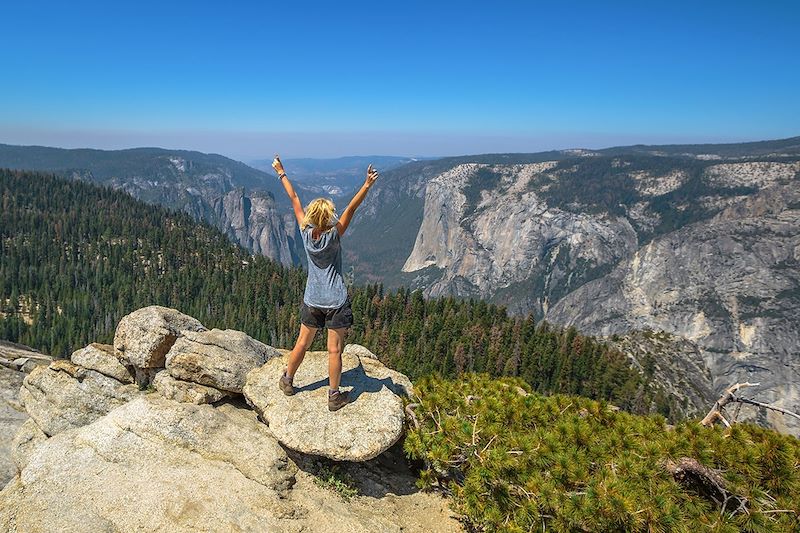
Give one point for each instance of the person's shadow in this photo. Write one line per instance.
(360, 382)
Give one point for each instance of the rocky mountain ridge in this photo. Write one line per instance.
(488, 227)
(730, 285)
(698, 245)
(333, 177)
(509, 235)
(247, 204)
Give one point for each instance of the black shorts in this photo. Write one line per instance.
(315, 317)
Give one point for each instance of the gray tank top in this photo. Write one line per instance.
(325, 287)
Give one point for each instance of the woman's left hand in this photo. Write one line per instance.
(277, 165)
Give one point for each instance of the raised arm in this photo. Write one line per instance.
(348, 213)
(287, 185)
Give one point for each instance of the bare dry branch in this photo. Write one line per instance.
(729, 396)
(412, 416)
(767, 406)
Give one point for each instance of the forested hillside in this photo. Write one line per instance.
(75, 258)
(245, 203)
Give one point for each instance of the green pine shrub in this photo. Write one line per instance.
(527, 462)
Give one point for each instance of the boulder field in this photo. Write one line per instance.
(157, 433)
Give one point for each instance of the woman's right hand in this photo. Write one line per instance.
(372, 175)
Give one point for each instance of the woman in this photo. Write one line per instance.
(325, 302)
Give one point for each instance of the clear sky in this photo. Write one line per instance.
(247, 79)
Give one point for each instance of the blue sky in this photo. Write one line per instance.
(247, 79)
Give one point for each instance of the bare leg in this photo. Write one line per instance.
(304, 341)
(335, 347)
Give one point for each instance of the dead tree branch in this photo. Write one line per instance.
(708, 483)
(729, 396)
(767, 406)
(412, 416)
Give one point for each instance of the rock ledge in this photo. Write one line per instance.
(364, 429)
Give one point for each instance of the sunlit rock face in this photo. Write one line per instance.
(731, 285)
(256, 222)
(703, 248)
(509, 239)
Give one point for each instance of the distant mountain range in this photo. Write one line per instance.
(591, 181)
(247, 204)
(337, 177)
(701, 242)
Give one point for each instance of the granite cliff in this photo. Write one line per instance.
(489, 242)
(730, 284)
(700, 243)
(258, 223)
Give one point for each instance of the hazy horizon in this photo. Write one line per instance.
(483, 146)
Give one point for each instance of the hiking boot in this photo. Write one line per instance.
(285, 384)
(337, 400)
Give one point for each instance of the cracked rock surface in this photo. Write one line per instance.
(64, 395)
(217, 358)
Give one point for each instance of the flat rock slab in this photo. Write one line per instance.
(217, 358)
(362, 430)
(20, 357)
(144, 337)
(101, 358)
(64, 395)
(186, 391)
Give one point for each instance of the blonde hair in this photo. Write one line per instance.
(320, 214)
